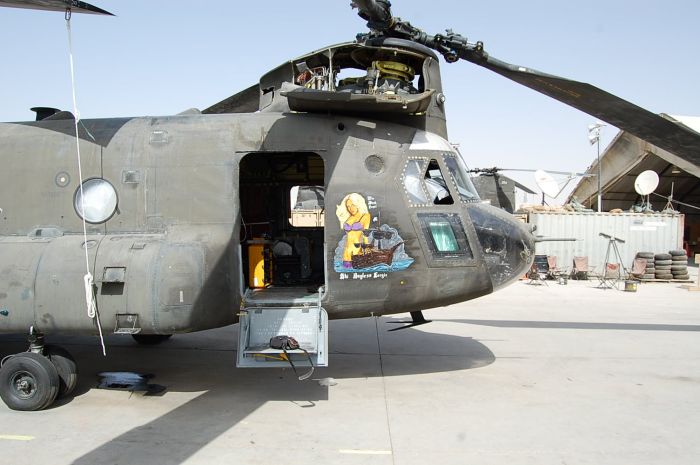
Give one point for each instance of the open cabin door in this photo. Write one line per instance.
(282, 222)
(282, 255)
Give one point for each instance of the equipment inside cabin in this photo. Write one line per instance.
(282, 210)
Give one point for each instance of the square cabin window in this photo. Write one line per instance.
(445, 235)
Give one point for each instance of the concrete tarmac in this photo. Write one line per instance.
(533, 374)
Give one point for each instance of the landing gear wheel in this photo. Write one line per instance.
(151, 339)
(65, 366)
(28, 381)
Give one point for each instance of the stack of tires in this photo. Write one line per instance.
(679, 264)
(663, 264)
(649, 272)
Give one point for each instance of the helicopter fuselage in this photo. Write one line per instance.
(309, 186)
(174, 253)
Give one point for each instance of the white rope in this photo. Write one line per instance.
(90, 295)
(87, 279)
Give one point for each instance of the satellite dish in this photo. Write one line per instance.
(547, 184)
(646, 182)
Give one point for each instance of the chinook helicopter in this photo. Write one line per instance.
(200, 220)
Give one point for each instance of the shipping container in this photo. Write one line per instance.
(640, 232)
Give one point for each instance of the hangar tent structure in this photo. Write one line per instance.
(627, 156)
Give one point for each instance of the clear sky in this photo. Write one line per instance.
(159, 57)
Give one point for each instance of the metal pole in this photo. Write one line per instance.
(600, 196)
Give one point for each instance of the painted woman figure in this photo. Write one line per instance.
(354, 219)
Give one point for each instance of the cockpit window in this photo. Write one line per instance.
(412, 182)
(436, 185)
(425, 184)
(465, 187)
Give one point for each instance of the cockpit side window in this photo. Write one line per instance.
(436, 185)
(465, 188)
(413, 184)
(425, 184)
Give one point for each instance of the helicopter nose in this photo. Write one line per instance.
(508, 246)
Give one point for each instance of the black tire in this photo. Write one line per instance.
(648, 276)
(663, 267)
(679, 259)
(684, 277)
(664, 276)
(647, 255)
(682, 268)
(677, 253)
(65, 366)
(663, 262)
(150, 339)
(662, 256)
(28, 382)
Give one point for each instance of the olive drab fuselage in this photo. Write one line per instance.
(195, 192)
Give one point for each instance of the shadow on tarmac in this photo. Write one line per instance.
(577, 325)
(206, 362)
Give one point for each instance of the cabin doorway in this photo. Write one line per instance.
(282, 225)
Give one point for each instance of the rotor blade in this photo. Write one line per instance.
(56, 5)
(516, 169)
(664, 133)
(620, 113)
(525, 170)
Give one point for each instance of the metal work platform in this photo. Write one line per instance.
(281, 311)
(282, 295)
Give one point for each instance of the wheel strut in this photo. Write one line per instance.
(36, 341)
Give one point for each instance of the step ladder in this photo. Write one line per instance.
(259, 322)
